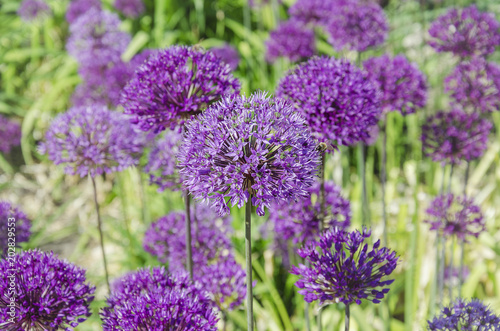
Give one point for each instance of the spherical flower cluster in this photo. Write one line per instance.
(30, 10)
(10, 134)
(402, 84)
(175, 84)
(343, 270)
(51, 294)
(293, 40)
(151, 299)
(455, 216)
(465, 315)
(92, 140)
(338, 100)
(77, 8)
(455, 136)
(475, 86)
(248, 147)
(129, 8)
(357, 26)
(228, 54)
(465, 32)
(316, 12)
(14, 219)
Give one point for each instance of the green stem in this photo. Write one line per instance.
(383, 175)
(347, 316)
(320, 326)
(101, 237)
(248, 256)
(322, 193)
(450, 287)
(366, 210)
(441, 271)
(189, 253)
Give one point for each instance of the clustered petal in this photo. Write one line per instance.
(10, 134)
(315, 12)
(77, 8)
(291, 39)
(129, 8)
(30, 10)
(12, 220)
(228, 54)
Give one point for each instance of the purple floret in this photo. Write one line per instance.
(31, 10)
(293, 40)
(10, 134)
(15, 221)
(129, 8)
(315, 12)
(228, 54)
(77, 8)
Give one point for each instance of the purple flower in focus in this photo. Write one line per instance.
(50, 294)
(338, 100)
(343, 270)
(293, 40)
(129, 8)
(10, 134)
(77, 8)
(316, 12)
(465, 32)
(31, 10)
(455, 216)
(228, 54)
(402, 84)
(12, 218)
(248, 147)
(455, 136)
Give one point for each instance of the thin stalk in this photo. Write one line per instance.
(450, 266)
(248, 256)
(462, 242)
(142, 194)
(347, 316)
(101, 237)
(322, 193)
(320, 326)
(366, 211)
(189, 253)
(306, 314)
(383, 174)
(441, 271)
(449, 180)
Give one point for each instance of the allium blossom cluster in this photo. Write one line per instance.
(455, 216)
(248, 147)
(92, 141)
(338, 100)
(10, 134)
(315, 12)
(129, 8)
(455, 136)
(77, 8)
(228, 54)
(402, 84)
(291, 39)
(452, 275)
(30, 10)
(14, 219)
(342, 269)
(51, 294)
(175, 84)
(465, 32)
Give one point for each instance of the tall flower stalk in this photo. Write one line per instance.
(101, 236)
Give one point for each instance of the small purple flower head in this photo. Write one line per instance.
(465, 315)
(465, 32)
(248, 147)
(153, 300)
(338, 100)
(174, 84)
(10, 134)
(31, 10)
(475, 86)
(455, 216)
(402, 84)
(452, 275)
(92, 140)
(343, 270)
(357, 26)
(454, 136)
(228, 54)
(77, 8)
(373, 133)
(316, 12)
(12, 218)
(50, 294)
(129, 8)
(293, 40)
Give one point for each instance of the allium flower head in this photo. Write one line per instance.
(452, 275)
(338, 100)
(130, 8)
(455, 216)
(51, 294)
(77, 8)
(244, 147)
(465, 315)
(228, 54)
(12, 218)
(455, 136)
(316, 12)
(293, 40)
(175, 84)
(92, 140)
(342, 269)
(10, 134)
(373, 133)
(465, 32)
(402, 84)
(30, 10)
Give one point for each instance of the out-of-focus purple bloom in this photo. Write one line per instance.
(373, 133)
(175, 84)
(293, 40)
(402, 84)
(343, 270)
(50, 294)
(129, 8)
(31, 10)
(452, 275)
(253, 147)
(316, 12)
(455, 136)
(151, 299)
(77, 8)
(92, 140)
(465, 315)
(455, 216)
(338, 100)
(14, 219)
(10, 134)
(465, 32)
(228, 54)
(475, 86)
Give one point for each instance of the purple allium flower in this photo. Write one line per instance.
(455, 136)
(316, 12)
(30, 10)
(373, 133)
(92, 140)
(77, 8)
(357, 26)
(402, 84)
(342, 270)
(153, 300)
(50, 294)
(338, 100)
(452, 275)
(465, 32)
(455, 216)
(291, 39)
(129, 8)
(248, 147)
(14, 219)
(10, 134)
(475, 86)
(465, 315)
(175, 84)
(228, 54)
